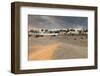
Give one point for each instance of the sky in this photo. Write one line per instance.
(52, 22)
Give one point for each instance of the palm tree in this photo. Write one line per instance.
(46, 30)
(80, 32)
(72, 30)
(31, 31)
(85, 31)
(42, 30)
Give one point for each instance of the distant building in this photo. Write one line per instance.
(55, 32)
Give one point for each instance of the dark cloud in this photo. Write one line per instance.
(39, 21)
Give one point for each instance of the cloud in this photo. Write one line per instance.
(50, 22)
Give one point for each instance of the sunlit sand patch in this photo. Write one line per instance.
(43, 52)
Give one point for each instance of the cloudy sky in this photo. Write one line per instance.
(51, 22)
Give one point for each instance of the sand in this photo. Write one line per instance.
(58, 47)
